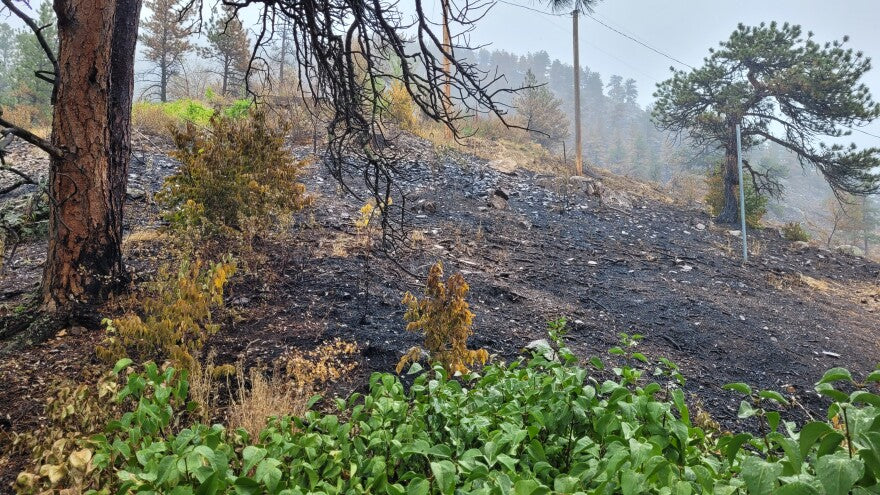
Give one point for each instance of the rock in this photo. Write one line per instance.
(587, 185)
(498, 200)
(77, 330)
(134, 193)
(735, 233)
(700, 226)
(850, 250)
(504, 165)
(615, 198)
(525, 224)
(800, 245)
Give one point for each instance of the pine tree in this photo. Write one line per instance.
(30, 61)
(7, 57)
(229, 48)
(781, 87)
(542, 113)
(165, 38)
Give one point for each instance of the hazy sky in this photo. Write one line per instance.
(684, 29)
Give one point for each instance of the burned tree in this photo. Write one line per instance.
(781, 87)
(92, 79)
(165, 37)
(229, 48)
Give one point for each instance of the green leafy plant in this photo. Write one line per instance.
(533, 426)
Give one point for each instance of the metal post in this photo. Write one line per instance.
(742, 193)
(578, 151)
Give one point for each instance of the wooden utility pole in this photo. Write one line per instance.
(578, 151)
(447, 48)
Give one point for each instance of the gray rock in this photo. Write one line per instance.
(800, 245)
(850, 250)
(134, 193)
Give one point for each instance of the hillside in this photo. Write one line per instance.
(626, 260)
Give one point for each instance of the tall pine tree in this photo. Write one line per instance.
(782, 88)
(165, 38)
(229, 48)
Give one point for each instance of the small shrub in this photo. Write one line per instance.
(445, 320)
(177, 317)
(236, 178)
(756, 204)
(401, 106)
(238, 109)
(794, 231)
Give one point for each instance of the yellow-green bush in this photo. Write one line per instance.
(444, 317)
(177, 316)
(401, 106)
(235, 180)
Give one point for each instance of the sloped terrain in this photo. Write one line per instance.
(622, 259)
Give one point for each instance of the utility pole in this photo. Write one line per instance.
(447, 48)
(578, 151)
(742, 192)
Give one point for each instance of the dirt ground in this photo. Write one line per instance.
(629, 260)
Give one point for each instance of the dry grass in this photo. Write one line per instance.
(152, 120)
(296, 377)
(262, 398)
(143, 236)
(813, 283)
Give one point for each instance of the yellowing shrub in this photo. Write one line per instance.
(177, 317)
(236, 178)
(444, 317)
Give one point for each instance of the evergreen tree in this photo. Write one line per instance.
(229, 48)
(165, 38)
(7, 57)
(541, 112)
(30, 61)
(783, 88)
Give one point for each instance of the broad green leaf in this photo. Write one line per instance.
(838, 473)
(420, 486)
(760, 476)
(810, 434)
(739, 387)
(444, 473)
(836, 375)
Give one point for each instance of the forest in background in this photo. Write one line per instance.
(176, 64)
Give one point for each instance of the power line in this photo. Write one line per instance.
(863, 132)
(554, 14)
(649, 47)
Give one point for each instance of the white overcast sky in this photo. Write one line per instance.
(684, 29)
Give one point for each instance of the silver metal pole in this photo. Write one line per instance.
(742, 192)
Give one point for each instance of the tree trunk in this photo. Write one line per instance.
(91, 124)
(730, 212)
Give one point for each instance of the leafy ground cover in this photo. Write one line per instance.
(533, 426)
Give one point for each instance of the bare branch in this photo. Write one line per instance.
(28, 136)
(38, 32)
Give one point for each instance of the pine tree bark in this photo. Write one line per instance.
(91, 125)
(730, 212)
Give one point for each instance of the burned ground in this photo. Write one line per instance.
(626, 260)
